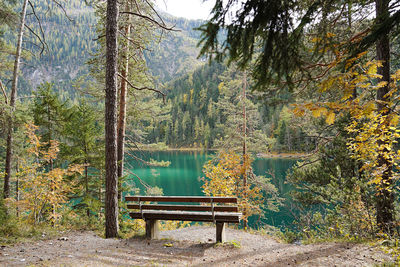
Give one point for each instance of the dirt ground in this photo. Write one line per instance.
(193, 246)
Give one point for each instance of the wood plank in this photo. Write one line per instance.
(187, 216)
(182, 207)
(182, 199)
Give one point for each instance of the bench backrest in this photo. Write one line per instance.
(212, 201)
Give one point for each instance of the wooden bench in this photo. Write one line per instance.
(202, 209)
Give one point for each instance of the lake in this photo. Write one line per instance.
(182, 177)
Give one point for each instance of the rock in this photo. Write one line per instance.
(22, 260)
(63, 238)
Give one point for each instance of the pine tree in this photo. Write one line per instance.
(111, 198)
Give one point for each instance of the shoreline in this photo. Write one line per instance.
(283, 155)
(293, 155)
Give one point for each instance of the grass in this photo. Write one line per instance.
(229, 244)
(16, 231)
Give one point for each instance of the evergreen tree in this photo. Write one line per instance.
(84, 135)
(50, 113)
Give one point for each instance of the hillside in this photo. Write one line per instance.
(177, 52)
(71, 41)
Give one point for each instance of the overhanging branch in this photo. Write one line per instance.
(142, 88)
(161, 25)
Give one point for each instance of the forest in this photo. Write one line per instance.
(87, 85)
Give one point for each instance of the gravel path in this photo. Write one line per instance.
(193, 246)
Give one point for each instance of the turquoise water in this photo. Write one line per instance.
(182, 177)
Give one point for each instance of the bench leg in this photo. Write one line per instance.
(152, 229)
(220, 232)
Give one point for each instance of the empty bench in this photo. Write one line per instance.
(220, 210)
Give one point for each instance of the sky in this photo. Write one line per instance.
(190, 9)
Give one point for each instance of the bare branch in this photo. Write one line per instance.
(37, 36)
(99, 37)
(155, 12)
(4, 92)
(63, 9)
(40, 25)
(163, 26)
(140, 180)
(133, 41)
(142, 88)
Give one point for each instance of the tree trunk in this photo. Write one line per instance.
(244, 147)
(6, 192)
(122, 110)
(17, 186)
(111, 197)
(385, 198)
(86, 180)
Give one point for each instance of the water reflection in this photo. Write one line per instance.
(182, 177)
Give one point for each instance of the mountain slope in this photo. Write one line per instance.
(70, 42)
(177, 52)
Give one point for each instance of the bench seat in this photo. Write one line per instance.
(231, 217)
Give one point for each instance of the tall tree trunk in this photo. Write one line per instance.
(86, 178)
(122, 108)
(6, 192)
(244, 146)
(17, 186)
(111, 198)
(385, 198)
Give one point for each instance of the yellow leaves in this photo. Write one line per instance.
(51, 153)
(330, 35)
(395, 120)
(43, 191)
(34, 140)
(220, 86)
(375, 132)
(381, 84)
(298, 110)
(330, 119)
(316, 39)
(372, 69)
(327, 84)
(396, 76)
(76, 168)
(224, 177)
(318, 110)
(369, 107)
(351, 61)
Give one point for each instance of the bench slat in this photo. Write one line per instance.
(182, 199)
(182, 207)
(187, 216)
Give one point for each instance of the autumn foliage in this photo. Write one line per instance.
(224, 177)
(44, 190)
